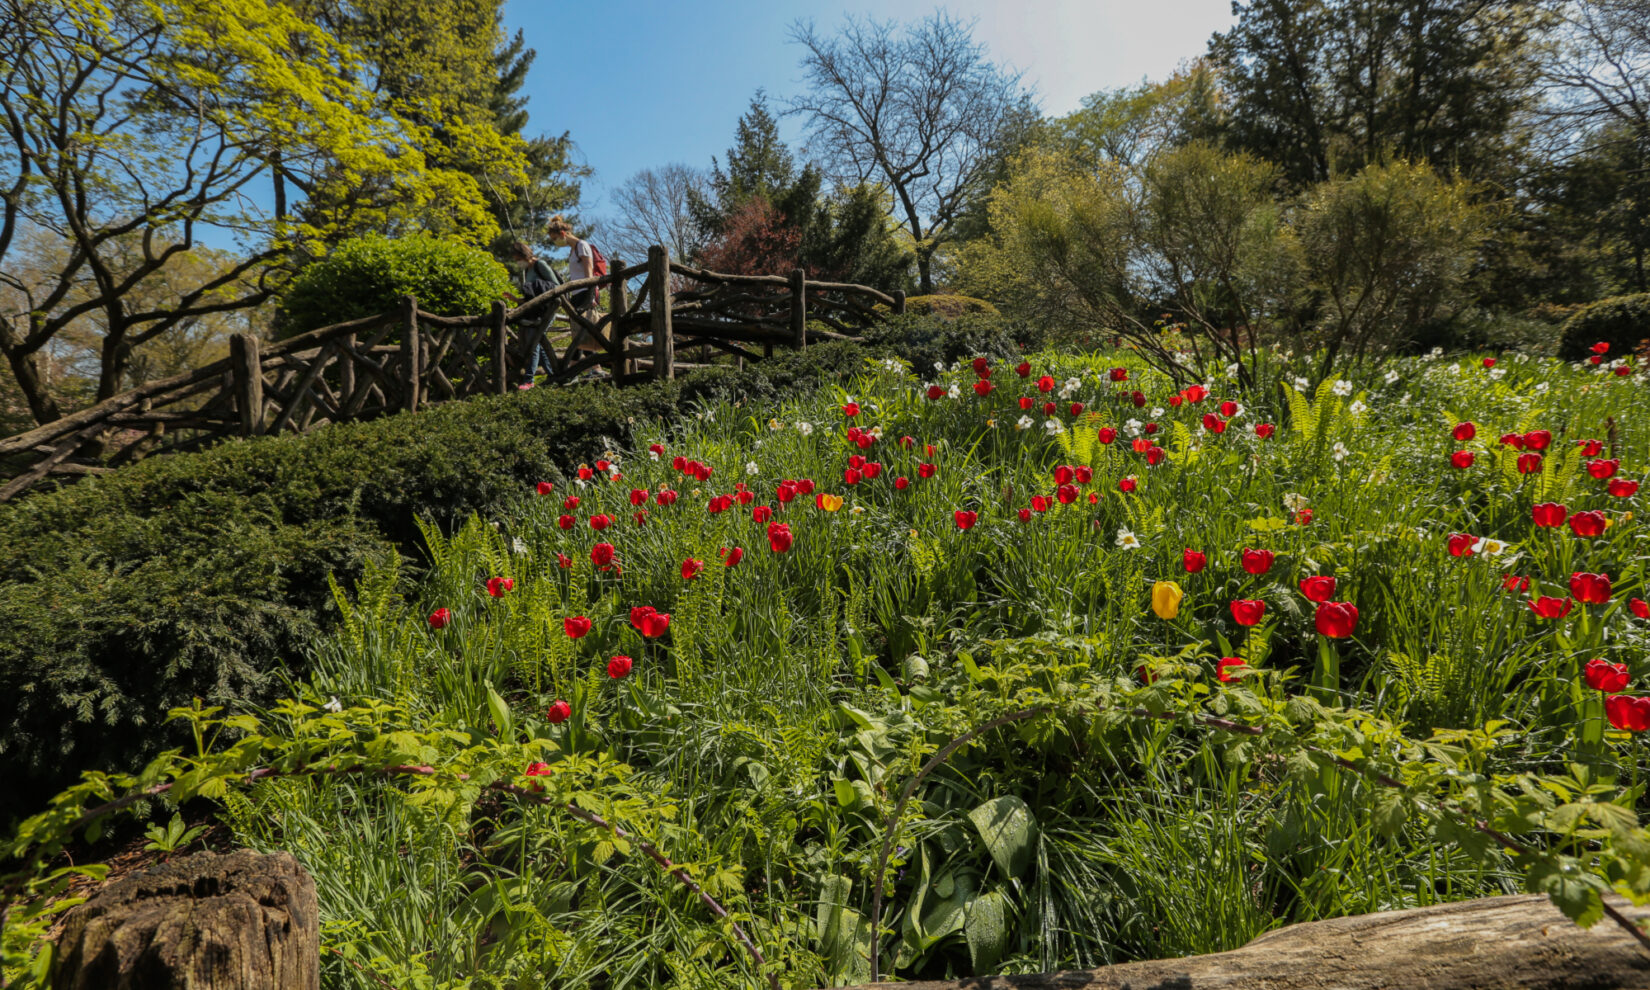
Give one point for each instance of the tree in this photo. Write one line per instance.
(917, 111)
(551, 184)
(1131, 123)
(130, 121)
(654, 206)
(759, 165)
(1328, 86)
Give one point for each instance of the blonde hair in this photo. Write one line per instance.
(559, 224)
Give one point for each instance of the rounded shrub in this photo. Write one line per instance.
(1622, 321)
(948, 306)
(366, 276)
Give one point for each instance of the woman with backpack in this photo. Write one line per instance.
(584, 260)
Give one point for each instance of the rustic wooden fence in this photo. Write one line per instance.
(407, 359)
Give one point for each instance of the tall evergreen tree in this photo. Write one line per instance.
(759, 165)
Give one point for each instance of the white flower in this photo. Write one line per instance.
(775, 424)
(1357, 407)
(518, 545)
(653, 454)
(1340, 451)
(1496, 374)
(1391, 377)
(1540, 387)
(1132, 427)
(1232, 370)
(751, 468)
(334, 705)
(1488, 546)
(892, 364)
(1127, 540)
(1024, 423)
(1157, 413)
(804, 427)
(1342, 387)
(1455, 369)
(939, 366)
(1054, 427)
(1294, 502)
(1405, 400)
(1070, 388)
(955, 391)
(875, 431)
(1301, 384)
(856, 510)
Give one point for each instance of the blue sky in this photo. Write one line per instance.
(666, 81)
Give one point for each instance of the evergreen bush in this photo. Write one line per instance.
(366, 276)
(1623, 322)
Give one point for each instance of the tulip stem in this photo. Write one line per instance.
(1328, 679)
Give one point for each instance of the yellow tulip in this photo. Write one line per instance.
(1166, 597)
(830, 503)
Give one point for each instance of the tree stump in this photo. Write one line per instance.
(1495, 943)
(241, 921)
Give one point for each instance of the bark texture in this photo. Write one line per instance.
(1496, 943)
(241, 921)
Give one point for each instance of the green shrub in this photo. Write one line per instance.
(1622, 321)
(948, 306)
(203, 575)
(369, 275)
(926, 340)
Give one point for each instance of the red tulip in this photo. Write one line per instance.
(1247, 612)
(1141, 445)
(654, 624)
(601, 554)
(1588, 524)
(1513, 440)
(1601, 675)
(901, 483)
(936, 392)
(1602, 347)
(965, 519)
(1461, 459)
(600, 522)
(1228, 408)
(563, 561)
(1590, 448)
(1464, 431)
(1257, 561)
(537, 770)
(1460, 544)
(499, 585)
(1623, 371)
(1629, 714)
(439, 618)
(1512, 582)
(761, 513)
(1336, 620)
(1489, 362)
(1538, 439)
(779, 537)
(1024, 514)
(1265, 430)
(545, 488)
(1303, 517)
(1026, 401)
(928, 450)
(619, 667)
(1154, 456)
(1318, 589)
(1150, 428)
(856, 462)
(1195, 393)
(1023, 369)
(640, 516)
(666, 496)
(1063, 474)
(719, 504)
(1551, 608)
(864, 441)
(1529, 463)
(1128, 484)
(982, 367)
(1603, 469)
(1041, 503)
(983, 387)
(1639, 607)
(1623, 488)
(691, 568)
(1138, 398)
(732, 556)
(656, 448)
(1119, 374)
(576, 627)
(566, 521)
(1084, 474)
(1067, 494)
(1075, 409)
(1045, 384)
(1213, 423)
(1106, 434)
(785, 492)
(1094, 498)
(1223, 669)
(560, 711)
(570, 503)
(850, 476)
(585, 474)
(638, 496)
(1048, 408)
(1590, 589)
(851, 410)
(1549, 514)
(1176, 400)
(1193, 561)
(907, 441)
(925, 470)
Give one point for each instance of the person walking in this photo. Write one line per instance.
(534, 277)
(584, 260)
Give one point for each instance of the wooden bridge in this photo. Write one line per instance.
(407, 359)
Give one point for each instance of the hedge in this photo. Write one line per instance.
(1622, 321)
(205, 575)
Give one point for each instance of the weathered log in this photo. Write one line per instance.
(1495, 942)
(241, 921)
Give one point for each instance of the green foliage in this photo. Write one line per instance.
(948, 306)
(367, 276)
(1623, 322)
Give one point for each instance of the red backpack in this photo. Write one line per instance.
(598, 261)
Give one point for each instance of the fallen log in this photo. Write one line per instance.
(241, 921)
(1495, 943)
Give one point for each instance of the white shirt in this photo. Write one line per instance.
(579, 260)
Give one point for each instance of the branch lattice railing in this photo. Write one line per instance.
(407, 359)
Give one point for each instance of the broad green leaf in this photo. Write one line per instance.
(987, 930)
(1010, 832)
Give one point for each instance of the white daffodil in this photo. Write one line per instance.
(1294, 502)
(1488, 546)
(1024, 423)
(1339, 450)
(1357, 407)
(1127, 540)
(1391, 377)
(334, 705)
(804, 427)
(1157, 413)
(518, 545)
(751, 468)
(653, 454)
(1301, 384)
(774, 424)
(1496, 374)
(1232, 370)
(875, 431)
(1342, 387)
(1132, 427)
(955, 391)
(1054, 427)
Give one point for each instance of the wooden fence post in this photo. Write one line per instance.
(899, 302)
(658, 304)
(615, 305)
(248, 373)
(411, 351)
(799, 308)
(501, 355)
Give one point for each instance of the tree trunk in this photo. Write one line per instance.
(238, 922)
(29, 370)
(1496, 942)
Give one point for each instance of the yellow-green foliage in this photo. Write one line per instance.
(948, 306)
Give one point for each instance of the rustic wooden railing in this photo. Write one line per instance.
(407, 359)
